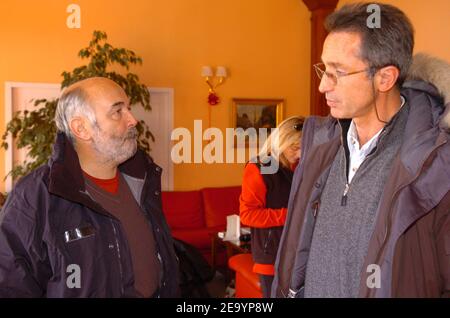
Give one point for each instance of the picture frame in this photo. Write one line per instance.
(256, 113)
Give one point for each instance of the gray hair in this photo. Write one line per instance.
(72, 102)
(390, 44)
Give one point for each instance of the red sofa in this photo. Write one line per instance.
(193, 216)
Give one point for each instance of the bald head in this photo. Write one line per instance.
(82, 99)
(94, 84)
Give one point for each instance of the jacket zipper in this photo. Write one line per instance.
(267, 241)
(316, 206)
(118, 255)
(344, 195)
(389, 215)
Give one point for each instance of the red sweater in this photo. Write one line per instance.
(109, 185)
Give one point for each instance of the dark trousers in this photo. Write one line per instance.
(266, 284)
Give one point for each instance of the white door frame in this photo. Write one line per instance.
(168, 123)
(9, 86)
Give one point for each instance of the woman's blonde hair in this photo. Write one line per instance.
(288, 133)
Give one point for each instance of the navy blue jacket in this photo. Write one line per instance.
(51, 229)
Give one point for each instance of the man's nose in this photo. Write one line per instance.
(325, 84)
(131, 121)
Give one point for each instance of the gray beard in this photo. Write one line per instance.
(115, 150)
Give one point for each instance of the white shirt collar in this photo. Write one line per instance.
(357, 153)
(353, 141)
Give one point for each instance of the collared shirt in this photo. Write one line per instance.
(358, 153)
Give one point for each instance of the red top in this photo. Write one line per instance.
(253, 211)
(109, 185)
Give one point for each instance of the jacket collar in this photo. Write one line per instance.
(65, 171)
(66, 177)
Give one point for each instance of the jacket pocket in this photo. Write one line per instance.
(79, 233)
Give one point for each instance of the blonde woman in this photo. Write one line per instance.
(264, 198)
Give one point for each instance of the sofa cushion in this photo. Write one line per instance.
(183, 209)
(200, 238)
(219, 203)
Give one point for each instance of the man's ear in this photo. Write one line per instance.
(386, 78)
(80, 128)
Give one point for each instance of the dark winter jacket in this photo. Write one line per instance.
(51, 230)
(411, 239)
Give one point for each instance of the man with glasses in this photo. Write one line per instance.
(369, 209)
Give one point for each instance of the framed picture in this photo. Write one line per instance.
(256, 113)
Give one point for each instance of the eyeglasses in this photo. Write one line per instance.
(320, 71)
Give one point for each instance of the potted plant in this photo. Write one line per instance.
(37, 130)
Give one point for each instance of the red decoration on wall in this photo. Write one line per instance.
(213, 99)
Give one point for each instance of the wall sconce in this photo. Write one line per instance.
(221, 74)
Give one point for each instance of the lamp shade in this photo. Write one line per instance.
(207, 71)
(221, 71)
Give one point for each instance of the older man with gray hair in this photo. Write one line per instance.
(89, 223)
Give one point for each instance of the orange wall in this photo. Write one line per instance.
(431, 20)
(264, 44)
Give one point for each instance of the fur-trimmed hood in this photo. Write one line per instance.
(437, 72)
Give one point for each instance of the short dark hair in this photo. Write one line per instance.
(390, 44)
